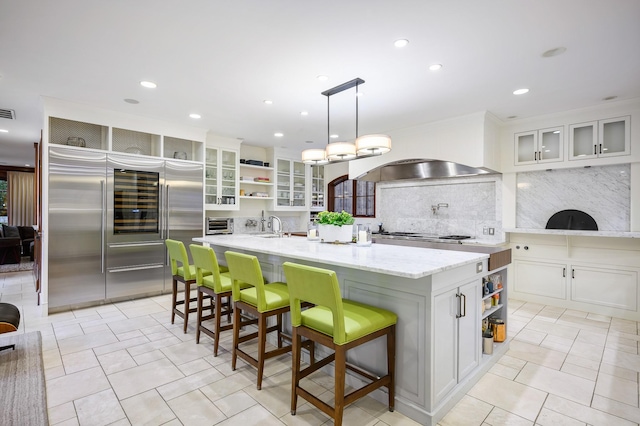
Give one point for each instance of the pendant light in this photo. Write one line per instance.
(314, 156)
(364, 146)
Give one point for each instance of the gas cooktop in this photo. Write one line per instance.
(418, 235)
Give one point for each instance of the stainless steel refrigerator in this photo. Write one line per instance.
(109, 215)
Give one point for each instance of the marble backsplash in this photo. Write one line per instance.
(472, 204)
(603, 192)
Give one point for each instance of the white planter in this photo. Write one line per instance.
(332, 233)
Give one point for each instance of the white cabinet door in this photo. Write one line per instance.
(221, 179)
(317, 188)
(541, 278)
(469, 330)
(291, 185)
(445, 347)
(614, 137)
(539, 146)
(606, 287)
(602, 138)
(456, 333)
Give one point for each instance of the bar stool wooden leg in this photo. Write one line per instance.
(174, 300)
(262, 340)
(340, 372)
(295, 373)
(218, 312)
(199, 316)
(391, 366)
(187, 305)
(236, 335)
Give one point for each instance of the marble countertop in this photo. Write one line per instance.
(569, 232)
(402, 261)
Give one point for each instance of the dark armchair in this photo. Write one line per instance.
(15, 241)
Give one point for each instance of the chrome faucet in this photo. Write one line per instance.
(262, 221)
(436, 207)
(276, 218)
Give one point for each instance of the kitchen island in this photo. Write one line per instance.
(435, 293)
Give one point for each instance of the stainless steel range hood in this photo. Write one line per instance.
(418, 168)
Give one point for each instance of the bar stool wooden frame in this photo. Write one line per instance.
(205, 260)
(246, 268)
(327, 278)
(185, 274)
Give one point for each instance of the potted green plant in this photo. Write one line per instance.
(335, 226)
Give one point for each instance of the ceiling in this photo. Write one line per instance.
(222, 59)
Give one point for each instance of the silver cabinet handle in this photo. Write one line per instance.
(464, 304)
(136, 268)
(103, 196)
(564, 272)
(458, 314)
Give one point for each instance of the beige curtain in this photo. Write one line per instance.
(20, 198)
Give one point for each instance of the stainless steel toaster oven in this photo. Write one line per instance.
(219, 225)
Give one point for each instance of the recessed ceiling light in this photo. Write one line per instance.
(195, 116)
(609, 98)
(278, 135)
(401, 43)
(520, 91)
(132, 101)
(435, 67)
(334, 136)
(308, 141)
(4, 131)
(148, 84)
(268, 102)
(512, 116)
(304, 113)
(554, 52)
(322, 78)
(27, 165)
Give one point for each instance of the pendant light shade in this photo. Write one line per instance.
(364, 146)
(314, 156)
(337, 151)
(373, 145)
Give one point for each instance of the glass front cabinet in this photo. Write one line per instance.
(317, 189)
(221, 179)
(602, 138)
(291, 185)
(539, 146)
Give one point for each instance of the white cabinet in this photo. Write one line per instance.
(602, 138)
(317, 189)
(456, 333)
(539, 146)
(594, 285)
(540, 278)
(291, 185)
(221, 179)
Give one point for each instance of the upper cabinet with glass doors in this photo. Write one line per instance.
(291, 185)
(602, 138)
(539, 146)
(317, 189)
(221, 179)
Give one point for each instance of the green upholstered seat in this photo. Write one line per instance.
(262, 301)
(338, 324)
(216, 284)
(245, 268)
(344, 320)
(182, 271)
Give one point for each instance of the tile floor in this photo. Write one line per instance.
(124, 363)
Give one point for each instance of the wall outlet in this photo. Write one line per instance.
(485, 230)
(491, 231)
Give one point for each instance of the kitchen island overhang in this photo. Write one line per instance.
(415, 283)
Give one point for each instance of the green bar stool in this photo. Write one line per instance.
(259, 300)
(217, 285)
(185, 274)
(338, 324)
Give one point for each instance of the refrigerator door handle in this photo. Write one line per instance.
(161, 213)
(103, 197)
(166, 212)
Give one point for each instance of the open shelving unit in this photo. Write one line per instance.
(250, 186)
